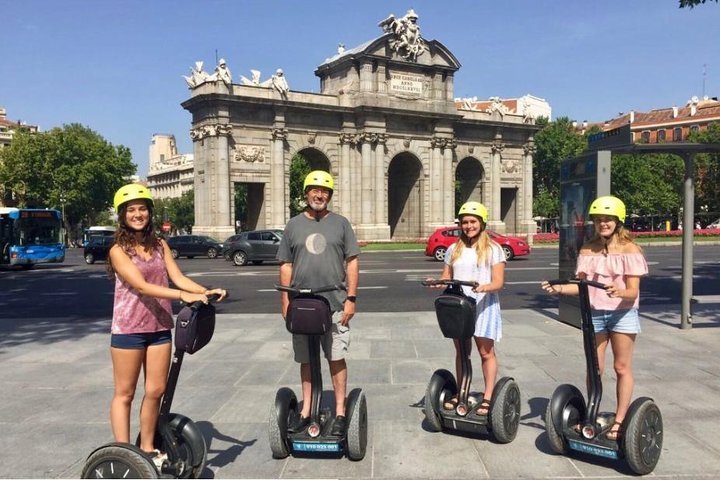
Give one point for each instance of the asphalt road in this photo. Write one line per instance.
(389, 282)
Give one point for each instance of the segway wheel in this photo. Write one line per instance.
(442, 385)
(566, 407)
(505, 411)
(357, 425)
(190, 444)
(119, 460)
(281, 410)
(642, 436)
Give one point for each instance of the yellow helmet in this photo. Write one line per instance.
(608, 205)
(474, 208)
(132, 191)
(319, 178)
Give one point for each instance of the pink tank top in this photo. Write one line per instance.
(135, 313)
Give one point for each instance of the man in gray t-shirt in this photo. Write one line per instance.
(318, 249)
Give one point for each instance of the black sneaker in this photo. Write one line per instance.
(339, 425)
(298, 424)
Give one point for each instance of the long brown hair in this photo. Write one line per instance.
(125, 236)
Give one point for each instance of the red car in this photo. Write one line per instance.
(439, 241)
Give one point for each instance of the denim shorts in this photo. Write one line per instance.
(620, 321)
(334, 343)
(136, 341)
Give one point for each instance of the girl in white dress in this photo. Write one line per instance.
(476, 257)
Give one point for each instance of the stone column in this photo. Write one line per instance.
(343, 196)
(366, 78)
(367, 200)
(527, 220)
(436, 182)
(277, 177)
(448, 213)
(495, 222)
(380, 190)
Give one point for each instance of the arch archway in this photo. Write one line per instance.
(405, 197)
(468, 181)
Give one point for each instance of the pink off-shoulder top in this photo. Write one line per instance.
(611, 268)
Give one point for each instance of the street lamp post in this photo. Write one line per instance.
(62, 206)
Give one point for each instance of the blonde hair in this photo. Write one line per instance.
(483, 247)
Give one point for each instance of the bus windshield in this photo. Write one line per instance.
(37, 231)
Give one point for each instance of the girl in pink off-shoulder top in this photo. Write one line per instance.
(142, 266)
(613, 259)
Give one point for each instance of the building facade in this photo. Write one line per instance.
(170, 174)
(672, 124)
(385, 125)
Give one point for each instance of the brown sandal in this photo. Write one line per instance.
(484, 408)
(614, 433)
(451, 404)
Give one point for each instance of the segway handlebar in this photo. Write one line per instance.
(465, 283)
(577, 281)
(211, 299)
(309, 291)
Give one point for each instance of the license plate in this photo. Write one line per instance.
(596, 450)
(316, 447)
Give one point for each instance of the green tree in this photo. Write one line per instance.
(180, 212)
(707, 169)
(691, 3)
(72, 166)
(557, 141)
(648, 184)
(299, 168)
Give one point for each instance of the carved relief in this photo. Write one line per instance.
(497, 147)
(498, 106)
(311, 136)
(349, 138)
(279, 133)
(437, 142)
(210, 130)
(249, 153)
(529, 148)
(406, 41)
(510, 166)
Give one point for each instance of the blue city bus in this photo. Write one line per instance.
(31, 235)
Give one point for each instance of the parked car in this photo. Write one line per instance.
(443, 237)
(97, 248)
(256, 246)
(715, 224)
(194, 246)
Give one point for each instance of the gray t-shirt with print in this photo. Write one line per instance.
(318, 252)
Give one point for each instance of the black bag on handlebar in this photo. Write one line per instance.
(194, 327)
(309, 315)
(455, 313)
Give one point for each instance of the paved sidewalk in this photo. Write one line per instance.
(57, 384)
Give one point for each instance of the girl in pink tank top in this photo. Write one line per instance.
(143, 267)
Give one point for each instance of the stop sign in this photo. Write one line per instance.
(166, 227)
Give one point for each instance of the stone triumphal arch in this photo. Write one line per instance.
(385, 125)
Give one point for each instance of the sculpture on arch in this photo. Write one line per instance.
(222, 73)
(407, 41)
(197, 75)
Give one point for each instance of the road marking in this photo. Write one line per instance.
(376, 287)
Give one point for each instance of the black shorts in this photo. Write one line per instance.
(136, 341)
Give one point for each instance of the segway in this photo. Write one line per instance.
(309, 314)
(456, 315)
(573, 424)
(176, 435)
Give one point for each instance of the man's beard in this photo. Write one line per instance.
(318, 206)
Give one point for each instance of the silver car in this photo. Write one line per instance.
(256, 246)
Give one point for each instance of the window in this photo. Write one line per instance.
(695, 129)
(677, 134)
(645, 136)
(661, 135)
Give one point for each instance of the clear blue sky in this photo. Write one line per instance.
(116, 66)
